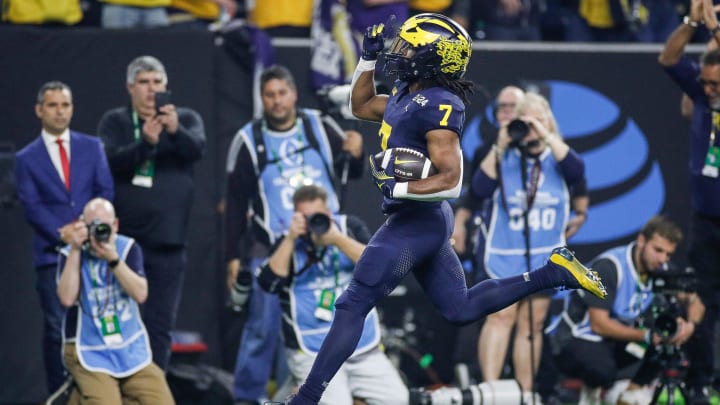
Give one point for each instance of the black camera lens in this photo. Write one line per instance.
(318, 223)
(100, 231)
(517, 130)
(665, 325)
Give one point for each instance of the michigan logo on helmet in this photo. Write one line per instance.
(427, 45)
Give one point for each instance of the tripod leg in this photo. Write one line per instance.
(683, 392)
(656, 394)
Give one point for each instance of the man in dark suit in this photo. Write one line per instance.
(56, 175)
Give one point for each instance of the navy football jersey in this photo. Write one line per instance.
(410, 115)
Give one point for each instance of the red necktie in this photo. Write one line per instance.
(64, 162)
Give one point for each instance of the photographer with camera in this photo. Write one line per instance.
(269, 158)
(309, 268)
(530, 142)
(101, 282)
(597, 338)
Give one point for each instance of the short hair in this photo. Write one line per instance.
(52, 85)
(711, 57)
(277, 72)
(662, 226)
(145, 64)
(310, 192)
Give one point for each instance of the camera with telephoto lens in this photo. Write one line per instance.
(240, 292)
(490, 392)
(318, 223)
(665, 309)
(100, 231)
(517, 130)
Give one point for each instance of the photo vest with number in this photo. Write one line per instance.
(101, 291)
(548, 215)
(305, 293)
(291, 162)
(632, 299)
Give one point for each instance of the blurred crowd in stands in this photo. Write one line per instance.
(501, 20)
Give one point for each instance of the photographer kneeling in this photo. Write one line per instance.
(106, 347)
(597, 338)
(309, 268)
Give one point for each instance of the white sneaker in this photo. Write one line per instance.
(641, 396)
(590, 396)
(613, 393)
(527, 398)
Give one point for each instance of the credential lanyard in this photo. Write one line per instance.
(94, 265)
(335, 262)
(531, 189)
(147, 168)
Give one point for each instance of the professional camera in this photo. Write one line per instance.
(666, 284)
(518, 130)
(506, 392)
(334, 100)
(318, 223)
(671, 361)
(240, 293)
(100, 231)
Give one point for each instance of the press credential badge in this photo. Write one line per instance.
(324, 309)
(712, 162)
(110, 327)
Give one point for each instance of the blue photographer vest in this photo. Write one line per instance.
(547, 219)
(102, 295)
(291, 162)
(632, 298)
(305, 294)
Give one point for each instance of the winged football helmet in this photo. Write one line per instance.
(428, 45)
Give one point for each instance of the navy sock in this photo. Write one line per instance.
(493, 295)
(552, 275)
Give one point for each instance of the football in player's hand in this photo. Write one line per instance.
(408, 164)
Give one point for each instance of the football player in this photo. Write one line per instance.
(425, 112)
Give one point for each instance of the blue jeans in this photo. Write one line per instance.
(53, 314)
(259, 345)
(116, 16)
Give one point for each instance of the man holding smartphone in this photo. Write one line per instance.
(152, 146)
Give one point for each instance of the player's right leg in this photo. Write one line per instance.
(444, 282)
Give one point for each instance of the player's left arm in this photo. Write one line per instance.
(444, 152)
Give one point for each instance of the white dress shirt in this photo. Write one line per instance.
(54, 150)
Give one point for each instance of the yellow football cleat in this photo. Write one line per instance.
(585, 278)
